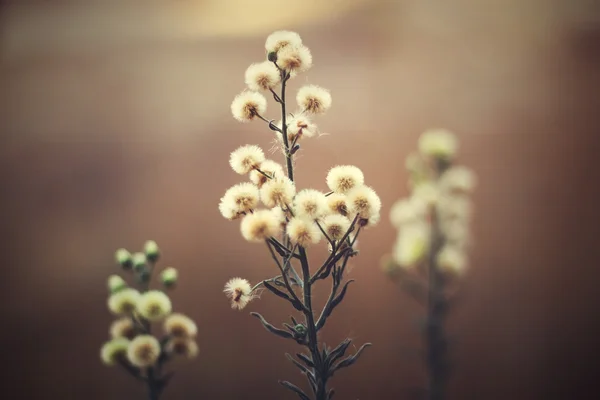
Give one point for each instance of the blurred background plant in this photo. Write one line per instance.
(133, 345)
(430, 253)
(295, 220)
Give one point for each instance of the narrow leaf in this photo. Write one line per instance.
(271, 328)
(295, 389)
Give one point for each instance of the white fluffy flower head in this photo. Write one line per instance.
(304, 232)
(246, 158)
(458, 179)
(310, 204)
(239, 291)
(247, 105)
(314, 99)
(278, 192)
(262, 76)
(280, 39)
(239, 199)
(294, 58)
(364, 201)
(337, 203)
(342, 178)
(260, 225)
(438, 143)
(269, 167)
(336, 226)
(412, 244)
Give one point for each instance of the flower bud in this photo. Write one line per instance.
(123, 258)
(169, 277)
(143, 275)
(116, 283)
(272, 56)
(139, 261)
(151, 250)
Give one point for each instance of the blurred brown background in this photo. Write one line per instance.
(116, 129)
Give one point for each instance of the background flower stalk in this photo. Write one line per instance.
(293, 219)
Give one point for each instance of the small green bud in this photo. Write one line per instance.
(152, 251)
(143, 275)
(116, 283)
(300, 330)
(123, 258)
(169, 277)
(272, 56)
(139, 261)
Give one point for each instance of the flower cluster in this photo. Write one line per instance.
(433, 239)
(132, 344)
(272, 210)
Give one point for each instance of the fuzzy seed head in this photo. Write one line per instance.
(143, 351)
(298, 127)
(364, 201)
(342, 178)
(244, 159)
(310, 204)
(124, 301)
(458, 179)
(412, 244)
(452, 259)
(314, 99)
(122, 328)
(407, 210)
(115, 283)
(239, 291)
(335, 225)
(438, 143)
(239, 200)
(269, 167)
(280, 39)
(337, 203)
(278, 192)
(154, 305)
(247, 105)
(113, 350)
(262, 76)
(184, 347)
(294, 58)
(304, 232)
(260, 225)
(180, 326)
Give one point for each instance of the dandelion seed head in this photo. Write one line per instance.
(269, 167)
(303, 232)
(294, 58)
(262, 76)
(342, 178)
(245, 158)
(113, 350)
(335, 225)
(124, 301)
(247, 105)
(143, 351)
(277, 192)
(260, 225)
(154, 305)
(310, 204)
(364, 201)
(438, 143)
(239, 291)
(280, 39)
(314, 99)
(180, 326)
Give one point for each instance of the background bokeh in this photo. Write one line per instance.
(116, 128)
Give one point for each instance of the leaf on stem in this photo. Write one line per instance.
(302, 368)
(306, 359)
(297, 305)
(330, 394)
(346, 362)
(271, 328)
(337, 353)
(295, 389)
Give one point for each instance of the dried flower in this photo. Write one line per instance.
(278, 192)
(239, 199)
(143, 351)
(310, 204)
(247, 105)
(246, 158)
(336, 226)
(363, 200)
(262, 76)
(113, 350)
(268, 167)
(337, 203)
(180, 326)
(260, 225)
(342, 178)
(314, 99)
(303, 232)
(438, 143)
(294, 58)
(280, 39)
(182, 347)
(239, 291)
(298, 127)
(122, 328)
(124, 301)
(154, 305)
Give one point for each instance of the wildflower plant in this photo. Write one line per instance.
(273, 211)
(133, 346)
(430, 253)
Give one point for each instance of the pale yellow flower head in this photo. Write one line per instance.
(115, 283)
(342, 178)
(298, 127)
(278, 192)
(180, 326)
(269, 167)
(239, 291)
(408, 210)
(184, 347)
(154, 305)
(112, 351)
(245, 158)
(412, 244)
(364, 201)
(335, 225)
(310, 204)
(303, 232)
(247, 105)
(294, 58)
(452, 259)
(124, 301)
(239, 199)
(262, 76)
(280, 39)
(143, 351)
(260, 225)
(314, 99)
(438, 143)
(458, 179)
(122, 328)
(337, 203)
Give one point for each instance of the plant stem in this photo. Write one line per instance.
(313, 345)
(434, 337)
(153, 391)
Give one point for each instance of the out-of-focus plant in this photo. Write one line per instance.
(133, 346)
(430, 253)
(290, 221)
